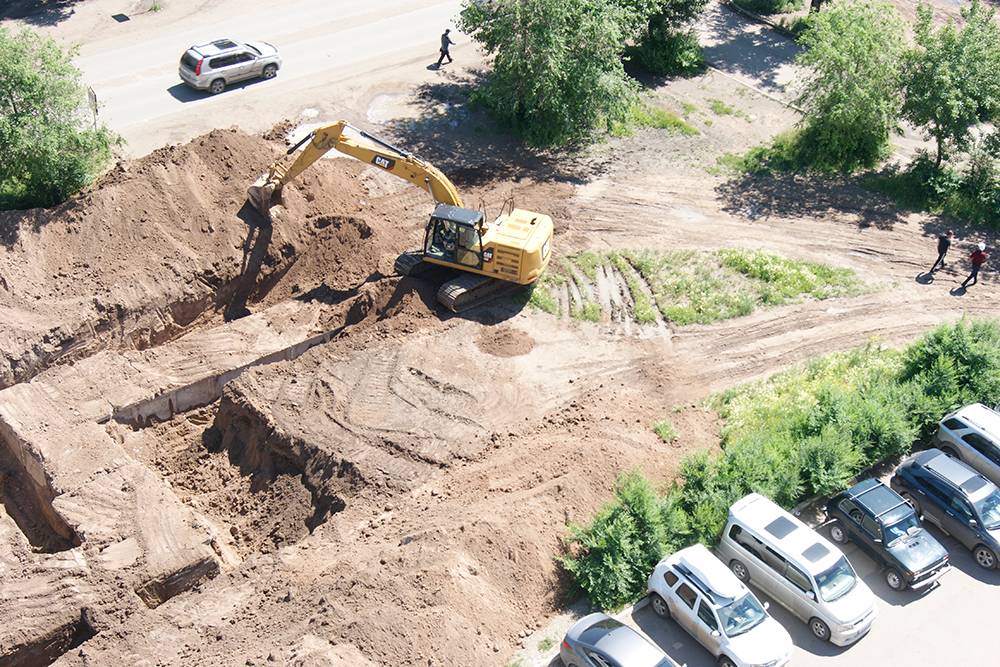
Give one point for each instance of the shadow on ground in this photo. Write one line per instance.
(467, 144)
(38, 12)
(757, 196)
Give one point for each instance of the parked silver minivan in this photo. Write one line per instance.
(972, 435)
(798, 568)
(215, 65)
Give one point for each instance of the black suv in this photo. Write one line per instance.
(956, 499)
(884, 525)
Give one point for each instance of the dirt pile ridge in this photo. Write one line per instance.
(161, 243)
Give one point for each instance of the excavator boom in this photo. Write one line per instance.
(347, 139)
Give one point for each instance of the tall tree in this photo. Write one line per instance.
(557, 70)
(950, 77)
(49, 147)
(851, 89)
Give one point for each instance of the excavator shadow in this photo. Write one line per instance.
(255, 248)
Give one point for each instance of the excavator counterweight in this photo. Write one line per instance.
(494, 257)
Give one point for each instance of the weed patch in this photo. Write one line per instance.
(661, 119)
(665, 430)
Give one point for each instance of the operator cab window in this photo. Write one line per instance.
(453, 236)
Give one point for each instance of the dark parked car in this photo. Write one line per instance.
(598, 640)
(956, 499)
(886, 527)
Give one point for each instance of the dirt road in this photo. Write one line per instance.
(333, 51)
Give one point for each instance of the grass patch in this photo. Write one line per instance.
(589, 312)
(728, 163)
(665, 430)
(720, 108)
(658, 118)
(690, 287)
(546, 645)
(688, 108)
(804, 432)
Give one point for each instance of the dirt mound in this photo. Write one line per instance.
(504, 342)
(159, 243)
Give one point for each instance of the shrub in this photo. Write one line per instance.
(665, 430)
(616, 552)
(768, 7)
(50, 150)
(673, 54)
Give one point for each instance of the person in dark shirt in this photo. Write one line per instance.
(978, 258)
(944, 242)
(445, 43)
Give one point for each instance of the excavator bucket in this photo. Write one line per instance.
(259, 195)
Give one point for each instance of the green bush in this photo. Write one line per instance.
(617, 550)
(804, 432)
(50, 148)
(672, 54)
(768, 7)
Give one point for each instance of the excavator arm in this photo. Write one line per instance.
(361, 145)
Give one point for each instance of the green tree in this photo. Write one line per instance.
(851, 90)
(950, 77)
(666, 44)
(557, 69)
(50, 148)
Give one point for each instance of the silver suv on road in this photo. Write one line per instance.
(215, 65)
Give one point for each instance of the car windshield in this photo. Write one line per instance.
(837, 581)
(988, 510)
(899, 529)
(741, 615)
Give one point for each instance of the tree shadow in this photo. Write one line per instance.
(38, 12)
(466, 143)
(757, 196)
(755, 54)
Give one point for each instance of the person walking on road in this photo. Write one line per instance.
(978, 258)
(445, 43)
(944, 242)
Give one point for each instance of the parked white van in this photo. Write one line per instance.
(798, 568)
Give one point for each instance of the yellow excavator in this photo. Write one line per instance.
(493, 258)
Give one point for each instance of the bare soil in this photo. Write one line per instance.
(397, 494)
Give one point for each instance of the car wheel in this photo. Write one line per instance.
(894, 579)
(217, 86)
(659, 606)
(740, 570)
(725, 661)
(819, 629)
(948, 451)
(270, 71)
(837, 533)
(985, 557)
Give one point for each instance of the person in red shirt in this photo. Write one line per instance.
(978, 258)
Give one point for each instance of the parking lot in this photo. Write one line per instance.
(950, 624)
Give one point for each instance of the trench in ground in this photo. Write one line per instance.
(48, 649)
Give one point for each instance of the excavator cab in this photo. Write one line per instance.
(454, 235)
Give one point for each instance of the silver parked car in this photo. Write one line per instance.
(215, 65)
(598, 640)
(972, 435)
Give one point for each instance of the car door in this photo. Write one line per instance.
(852, 519)
(947, 434)
(983, 455)
(245, 63)
(871, 538)
(801, 591)
(707, 630)
(931, 496)
(958, 514)
(683, 606)
(224, 67)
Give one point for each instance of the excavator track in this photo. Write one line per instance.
(470, 290)
(411, 264)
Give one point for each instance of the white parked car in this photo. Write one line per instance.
(695, 589)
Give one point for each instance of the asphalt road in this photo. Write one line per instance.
(951, 624)
(336, 52)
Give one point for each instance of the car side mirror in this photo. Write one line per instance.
(973, 523)
(767, 605)
(877, 540)
(716, 633)
(812, 595)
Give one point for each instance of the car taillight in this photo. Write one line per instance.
(197, 68)
(565, 644)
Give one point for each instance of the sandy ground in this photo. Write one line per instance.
(380, 483)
